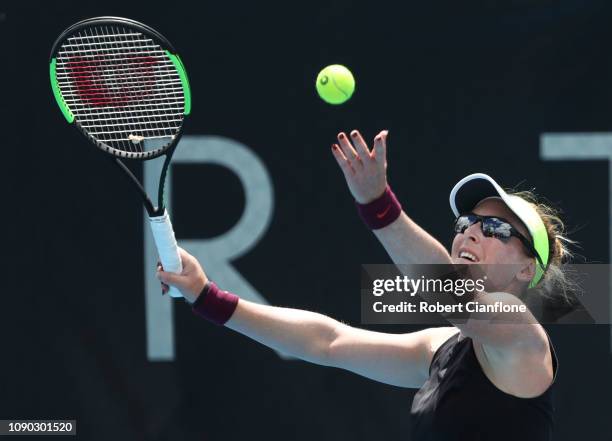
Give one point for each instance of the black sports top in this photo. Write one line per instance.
(458, 402)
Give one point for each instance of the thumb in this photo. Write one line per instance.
(380, 147)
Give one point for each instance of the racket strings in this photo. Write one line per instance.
(138, 120)
(104, 83)
(156, 116)
(122, 88)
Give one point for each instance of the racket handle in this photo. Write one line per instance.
(167, 248)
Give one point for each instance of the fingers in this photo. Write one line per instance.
(357, 150)
(165, 287)
(169, 278)
(348, 150)
(380, 147)
(344, 164)
(174, 279)
(360, 146)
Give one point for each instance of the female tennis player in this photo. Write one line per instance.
(477, 380)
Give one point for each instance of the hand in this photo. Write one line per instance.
(190, 281)
(365, 171)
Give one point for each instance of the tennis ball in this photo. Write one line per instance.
(335, 84)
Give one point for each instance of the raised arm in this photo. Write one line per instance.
(397, 359)
(365, 172)
(406, 242)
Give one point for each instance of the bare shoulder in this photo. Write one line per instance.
(525, 371)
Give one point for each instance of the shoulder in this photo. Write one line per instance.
(522, 370)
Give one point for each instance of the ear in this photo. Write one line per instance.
(527, 271)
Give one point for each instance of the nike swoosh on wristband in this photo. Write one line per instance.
(383, 213)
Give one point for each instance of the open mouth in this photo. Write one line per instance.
(468, 256)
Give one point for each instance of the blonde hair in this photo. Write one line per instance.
(557, 281)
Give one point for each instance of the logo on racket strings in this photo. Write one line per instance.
(132, 81)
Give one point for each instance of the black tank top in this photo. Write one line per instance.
(458, 402)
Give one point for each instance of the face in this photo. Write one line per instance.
(512, 267)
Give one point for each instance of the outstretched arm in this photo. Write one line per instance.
(365, 172)
(397, 359)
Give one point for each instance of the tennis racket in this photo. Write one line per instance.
(124, 87)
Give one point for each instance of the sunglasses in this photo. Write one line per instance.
(497, 227)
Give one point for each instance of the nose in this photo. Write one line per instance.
(474, 232)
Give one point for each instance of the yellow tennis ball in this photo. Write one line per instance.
(335, 84)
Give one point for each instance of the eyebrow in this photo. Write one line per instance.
(503, 219)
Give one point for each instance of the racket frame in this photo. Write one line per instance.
(157, 38)
(116, 154)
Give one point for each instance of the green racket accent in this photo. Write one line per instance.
(58, 94)
(176, 60)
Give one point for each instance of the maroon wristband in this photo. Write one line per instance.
(215, 305)
(380, 212)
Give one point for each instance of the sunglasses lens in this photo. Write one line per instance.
(494, 227)
(463, 222)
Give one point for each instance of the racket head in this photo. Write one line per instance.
(122, 84)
